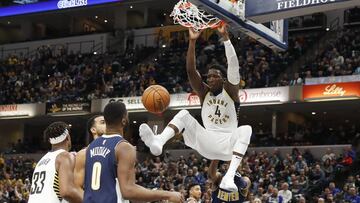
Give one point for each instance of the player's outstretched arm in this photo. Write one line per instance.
(126, 158)
(79, 171)
(194, 76)
(233, 74)
(65, 166)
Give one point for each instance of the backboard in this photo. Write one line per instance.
(274, 35)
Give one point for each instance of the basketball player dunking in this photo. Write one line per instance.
(221, 139)
(110, 165)
(53, 178)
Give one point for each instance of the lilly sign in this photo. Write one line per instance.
(50, 5)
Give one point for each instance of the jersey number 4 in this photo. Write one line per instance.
(217, 111)
(38, 182)
(95, 177)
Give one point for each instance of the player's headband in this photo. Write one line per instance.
(60, 138)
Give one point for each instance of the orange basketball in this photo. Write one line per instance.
(156, 99)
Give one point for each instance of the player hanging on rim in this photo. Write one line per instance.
(221, 139)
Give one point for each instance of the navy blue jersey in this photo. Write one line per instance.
(220, 196)
(101, 183)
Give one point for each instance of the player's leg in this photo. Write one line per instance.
(241, 140)
(181, 120)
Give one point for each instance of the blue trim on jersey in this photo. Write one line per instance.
(101, 170)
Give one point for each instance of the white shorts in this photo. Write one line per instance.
(213, 145)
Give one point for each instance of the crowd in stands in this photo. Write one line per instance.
(48, 76)
(15, 176)
(294, 177)
(340, 56)
(311, 134)
(51, 75)
(314, 20)
(352, 15)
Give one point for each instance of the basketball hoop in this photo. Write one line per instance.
(188, 15)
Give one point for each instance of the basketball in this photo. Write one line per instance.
(156, 99)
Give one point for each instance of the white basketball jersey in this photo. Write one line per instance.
(45, 180)
(218, 113)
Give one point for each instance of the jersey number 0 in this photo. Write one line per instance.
(95, 177)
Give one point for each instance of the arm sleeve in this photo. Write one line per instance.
(233, 74)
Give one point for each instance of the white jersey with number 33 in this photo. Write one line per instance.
(45, 180)
(218, 112)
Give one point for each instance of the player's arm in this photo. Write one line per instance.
(233, 75)
(126, 158)
(212, 172)
(194, 76)
(65, 167)
(79, 171)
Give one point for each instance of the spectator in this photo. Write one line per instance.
(285, 193)
(317, 175)
(328, 155)
(275, 197)
(300, 164)
(199, 176)
(328, 168)
(353, 195)
(333, 189)
(189, 178)
(297, 80)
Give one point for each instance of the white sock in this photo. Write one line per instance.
(234, 164)
(166, 135)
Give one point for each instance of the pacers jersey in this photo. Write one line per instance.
(222, 196)
(219, 113)
(101, 185)
(45, 180)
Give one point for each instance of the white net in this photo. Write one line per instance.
(188, 15)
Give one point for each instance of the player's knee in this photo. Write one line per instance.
(179, 120)
(244, 133)
(246, 129)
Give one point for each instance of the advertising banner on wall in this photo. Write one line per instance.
(332, 91)
(261, 11)
(68, 108)
(21, 7)
(21, 110)
(264, 95)
(189, 100)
